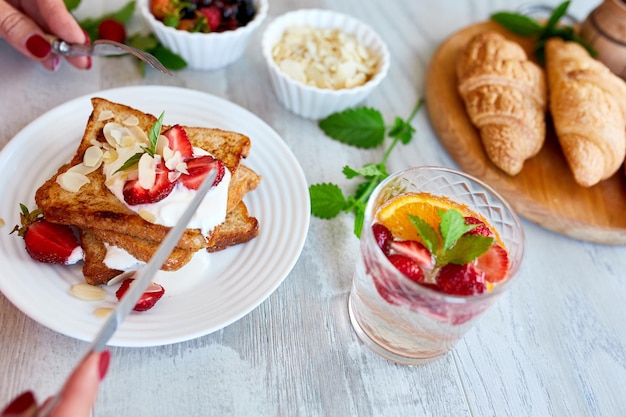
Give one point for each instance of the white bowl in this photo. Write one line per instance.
(310, 101)
(206, 51)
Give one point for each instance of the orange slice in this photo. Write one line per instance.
(394, 214)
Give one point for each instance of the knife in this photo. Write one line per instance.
(143, 278)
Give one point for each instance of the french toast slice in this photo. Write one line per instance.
(103, 218)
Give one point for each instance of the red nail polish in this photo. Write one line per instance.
(38, 46)
(105, 358)
(87, 38)
(89, 63)
(20, 405)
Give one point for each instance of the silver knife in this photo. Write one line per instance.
(143, 278)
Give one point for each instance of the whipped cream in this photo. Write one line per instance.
(76, 256)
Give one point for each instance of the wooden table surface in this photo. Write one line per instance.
(554, 346)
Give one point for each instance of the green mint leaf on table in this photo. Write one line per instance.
(528, 27)
(361, 127)
(327, 200)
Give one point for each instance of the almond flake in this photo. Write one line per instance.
(172, 176)
(131, 121)
(72, 181)
(102, 312)
(139, 134)
(161, 144)
(88, 292)
(147, 216)
(105, 115)
(93, 156)
(109, 156)
(113, 132)
(147, 171)
(83, 169)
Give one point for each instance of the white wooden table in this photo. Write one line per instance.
(554, 346)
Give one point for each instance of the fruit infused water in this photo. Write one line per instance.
(438, 247)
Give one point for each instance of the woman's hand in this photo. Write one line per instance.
(25, 23)
(77, 396)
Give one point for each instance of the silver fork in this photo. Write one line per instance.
(103, 47)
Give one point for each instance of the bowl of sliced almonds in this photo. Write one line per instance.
(321, 62)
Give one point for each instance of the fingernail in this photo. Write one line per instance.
(38, 46)
(105, 358)
(89, 62)
(20, 405)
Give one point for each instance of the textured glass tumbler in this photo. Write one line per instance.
(425, 324)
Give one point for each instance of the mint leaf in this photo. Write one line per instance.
(327, 200)
(466, 249)
(360, 127)
(556, 15)
(169, 59)
(518, 23)
(143, 42)
(130, 162)
(452, 227)
(401, 130)
(71, 4)
(368, 171)
(154, 133)
(429, 236)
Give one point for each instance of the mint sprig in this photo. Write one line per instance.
(153, 137)
(364, 128)
(528, 27)
(454, 246)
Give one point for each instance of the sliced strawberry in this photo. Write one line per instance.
(461, 280)
(213, 16)
(135, 194)
(383, 237)
(494, 263)
(198, 168)
(50, 242)
(407, 266)
(414, 250)
(178, 141)
(147, 300)
(112, 30)
(482, 229)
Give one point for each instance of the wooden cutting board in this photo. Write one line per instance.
(545, 191)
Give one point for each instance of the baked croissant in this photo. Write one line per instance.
(505, 97)
(588, 106)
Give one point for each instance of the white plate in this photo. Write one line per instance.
(198, 300)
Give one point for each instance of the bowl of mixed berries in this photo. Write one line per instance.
(208, 34)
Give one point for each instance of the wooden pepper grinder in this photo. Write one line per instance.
(605, 30)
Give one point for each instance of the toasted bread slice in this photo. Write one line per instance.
(94, 207)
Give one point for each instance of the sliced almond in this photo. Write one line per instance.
(105, 115)
(131, 121)
(109, 156)
(113, 132)
(147, 171)
(83, 169)
(72, 181)
(103, 312)
(139, 134)
(93, 156)
(88, 292)
(147, 216)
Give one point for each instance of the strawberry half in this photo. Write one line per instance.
(147, 300)
(135, 194)
(407, 266)
(178, 141)
(383, 237)
(415, 251)
(198, 168)
(481, 228)
(461, 280)
(46, 242)
(494, 263)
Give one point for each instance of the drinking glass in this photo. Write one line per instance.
(419, 325)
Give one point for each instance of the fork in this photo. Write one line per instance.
(104, 47)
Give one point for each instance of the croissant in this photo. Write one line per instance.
(505, 97)
(588, 106)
